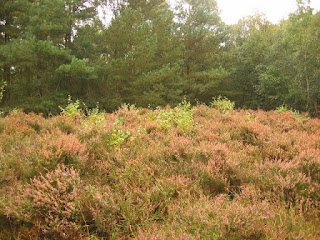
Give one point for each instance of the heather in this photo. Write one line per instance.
(170, 173)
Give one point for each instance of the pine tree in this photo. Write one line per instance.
(202, 36)
(143, 56)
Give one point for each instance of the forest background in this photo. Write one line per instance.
(151, 54)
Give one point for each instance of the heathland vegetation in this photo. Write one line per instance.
(204, 172)
(157, 168)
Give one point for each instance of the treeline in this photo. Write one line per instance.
(151, 53)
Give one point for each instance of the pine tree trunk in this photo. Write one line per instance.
(7, 76)
(307, 79)
(67, 38)
(316, 109)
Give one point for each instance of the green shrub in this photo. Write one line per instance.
(297, 116)
(165, 118)
(2, 86)
(181, 118)
(129, 107)
(95, 117)
(118, 137)
(222, 104)
(282, 108)
(72, 109)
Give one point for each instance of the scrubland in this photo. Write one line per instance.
(170, 173)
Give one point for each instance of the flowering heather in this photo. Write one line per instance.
(182, 173)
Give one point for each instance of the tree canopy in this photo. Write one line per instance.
(151, 53)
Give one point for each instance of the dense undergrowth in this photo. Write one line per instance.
(182, 173)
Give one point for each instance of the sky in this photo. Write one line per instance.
(275, 10)
(231, 11)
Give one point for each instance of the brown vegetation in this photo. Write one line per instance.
(167, 174)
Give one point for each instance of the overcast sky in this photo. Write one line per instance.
(275, 10)
(233, 10)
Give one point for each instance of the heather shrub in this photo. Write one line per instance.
(61, 148)
(2, 125)
(212, 186)
(48, 204)
(98, 211)
(311, 168)
(176, 173)
(17, 125)
(64, 124)
(16, 141)
(245, 217)
(246, 135)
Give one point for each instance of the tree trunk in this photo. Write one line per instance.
(67, 38)
(7, 75)
(307, 79)
(316, 109)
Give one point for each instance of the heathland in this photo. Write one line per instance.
(204, 172)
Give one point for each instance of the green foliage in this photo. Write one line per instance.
(164, 118)
(201, 32)
(250, 117)
(299, 117)
(51, 48)
(129, 107)
(90, 117)
(224, 105)
(2, 89)
(72, 109)
(181, 118)
(94, 117)
(118, 137)
(282, 108)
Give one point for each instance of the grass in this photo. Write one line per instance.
(182, 173)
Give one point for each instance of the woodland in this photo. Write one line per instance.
(151, 53)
